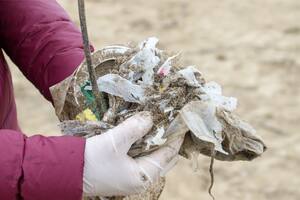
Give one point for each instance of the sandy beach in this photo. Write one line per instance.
(252, 48)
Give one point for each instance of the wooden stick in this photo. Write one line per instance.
(99, 97)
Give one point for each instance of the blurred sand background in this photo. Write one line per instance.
(251, 47)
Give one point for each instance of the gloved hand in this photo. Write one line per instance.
(109, 171)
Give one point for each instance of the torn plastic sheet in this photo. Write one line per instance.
(157, 139)
(213, 93)
(240, 139)
(189, 75)
(80, 128)
(164, 70)
(115, 85)
(115, 49)
(201, 119)
(146, 59)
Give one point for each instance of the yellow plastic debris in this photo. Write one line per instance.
(86, 115)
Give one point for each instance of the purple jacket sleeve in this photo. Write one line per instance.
(47, 47)
(41, 40)
(12, 146)
(40, 167)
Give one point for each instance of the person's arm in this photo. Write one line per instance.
(40, 167)
(11, 157)
(50, 168)
(41, 40)
(47, 47)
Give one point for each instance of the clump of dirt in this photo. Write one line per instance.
(144, 78)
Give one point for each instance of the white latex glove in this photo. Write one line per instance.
(109, 171)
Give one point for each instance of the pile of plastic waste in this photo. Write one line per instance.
(142, 77)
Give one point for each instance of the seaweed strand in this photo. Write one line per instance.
(211, 172)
